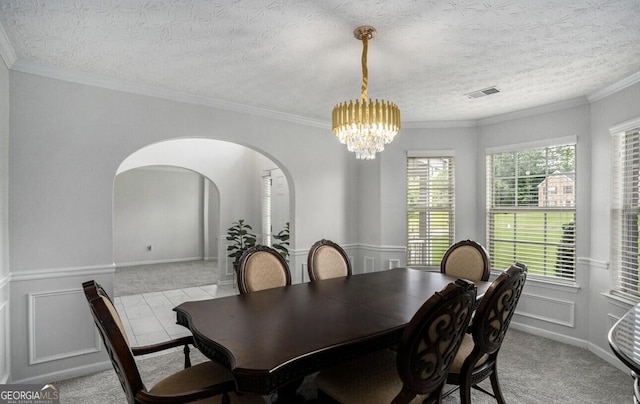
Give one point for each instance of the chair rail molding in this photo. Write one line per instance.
(50, 273)
(4, 281)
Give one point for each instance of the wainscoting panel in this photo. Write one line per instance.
(547, 309)
(4, 338)
(52, 334)
(369, 264)
(394, 263)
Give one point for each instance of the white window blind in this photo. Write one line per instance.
(430, 209)
(625, 207)
(531, 210)
(266, 209)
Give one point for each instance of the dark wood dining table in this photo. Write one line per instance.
(273, 338)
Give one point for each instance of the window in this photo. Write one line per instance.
(430, 209)
(625, 207)
(527, 220)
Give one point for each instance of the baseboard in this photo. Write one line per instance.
(153, 262)
(550, 335)
(608, 357)
(227, 282)
(66, 373)
(580, 343)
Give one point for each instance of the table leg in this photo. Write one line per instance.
(288, 394)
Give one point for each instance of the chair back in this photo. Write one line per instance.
(115, 339)
(326, 260)
(262, 267)
(494, 313)
(466, 259)
(431, 341)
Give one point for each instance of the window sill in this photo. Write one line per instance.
(624, 302)
(566, 286)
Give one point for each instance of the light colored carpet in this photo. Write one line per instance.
(533, 370)
(133, 280)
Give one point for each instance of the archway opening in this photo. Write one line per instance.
(173, 204)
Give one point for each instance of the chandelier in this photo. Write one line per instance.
(365, 126)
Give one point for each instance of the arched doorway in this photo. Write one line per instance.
(224, 182)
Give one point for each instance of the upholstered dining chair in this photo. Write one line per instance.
(262, 267)
(478, 356)
(466, 259)
(417, 372)
(207, 382)
(326, 260)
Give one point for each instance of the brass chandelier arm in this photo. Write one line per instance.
(365, 71)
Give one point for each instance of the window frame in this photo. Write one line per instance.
(549, 268)
(430, 253)
(625, 210)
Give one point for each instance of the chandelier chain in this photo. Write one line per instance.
(365, 71)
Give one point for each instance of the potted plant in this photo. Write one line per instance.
(283, 246)
(241, 240)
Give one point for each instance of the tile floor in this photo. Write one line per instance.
(149, 318)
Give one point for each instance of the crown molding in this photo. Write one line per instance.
(523, 113)
(7, 53)
(94, 80)
(440, 124)
(614, 88)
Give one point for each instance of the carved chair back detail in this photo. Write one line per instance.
(477, 358)
(417, 371)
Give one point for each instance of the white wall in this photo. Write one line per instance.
(382, 193)
(160, 207)
(560, 312)
(606, 113)
(4, 223)
(67, 142)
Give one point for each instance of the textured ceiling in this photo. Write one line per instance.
(299, 57)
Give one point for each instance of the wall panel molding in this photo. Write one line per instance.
(46, 345)
(369, 264)
(547, 309)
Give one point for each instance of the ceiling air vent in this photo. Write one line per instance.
(483, 92)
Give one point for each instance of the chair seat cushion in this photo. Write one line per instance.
(370, 379)
(199, 376)
(463, 353)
